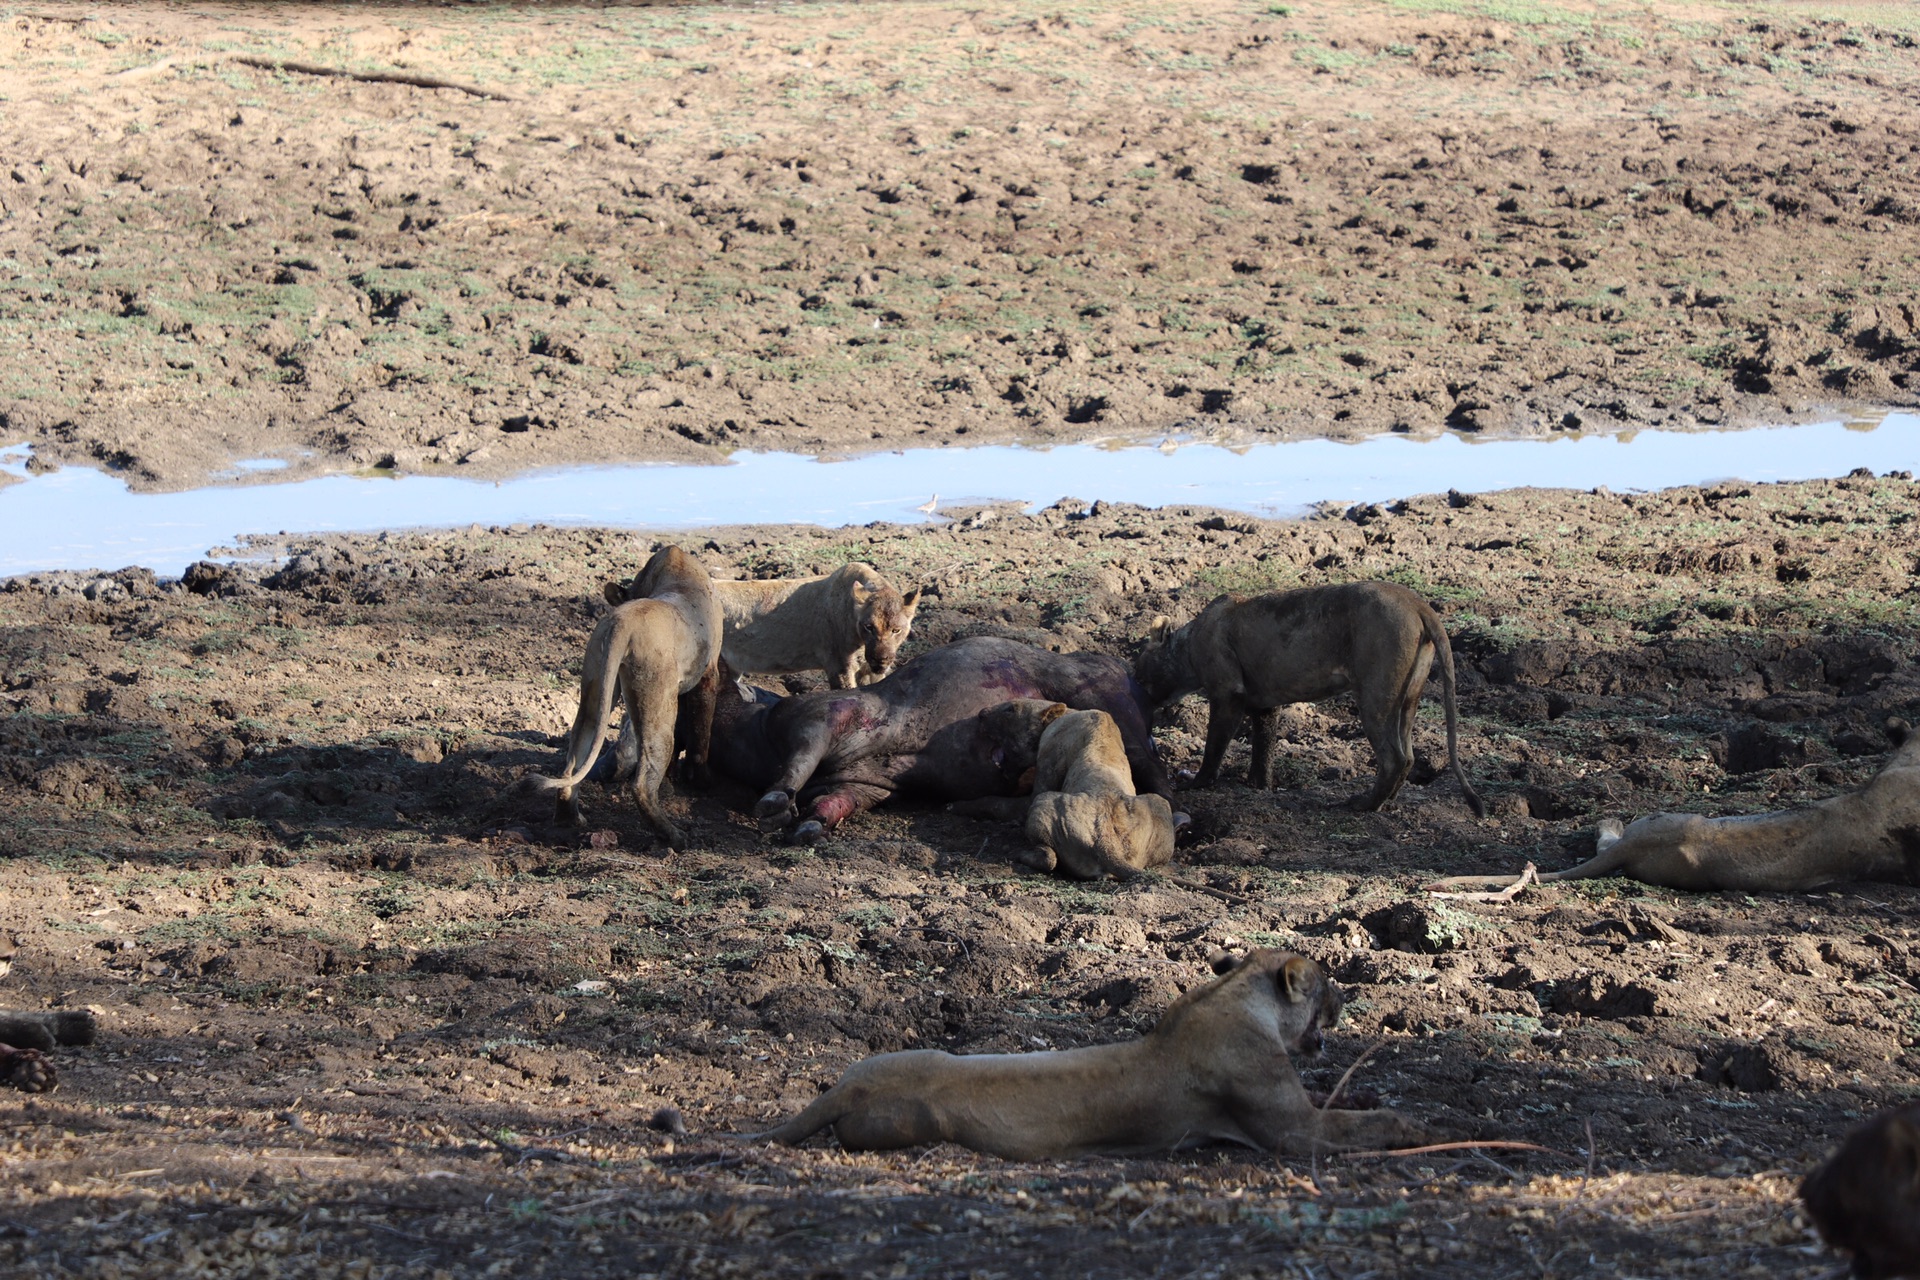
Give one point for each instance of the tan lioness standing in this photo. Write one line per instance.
(655, 647)
(849, 623)
(1869, 834)
(1254, 656)
(1216, 1068)
(1085, 817)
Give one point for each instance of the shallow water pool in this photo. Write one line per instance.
(78, 518)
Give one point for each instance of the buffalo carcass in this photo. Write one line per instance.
(940, 726)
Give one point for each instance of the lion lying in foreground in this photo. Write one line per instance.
(1866, 1197)
(1869, 834)
(1085, 817)
(1215, 1069)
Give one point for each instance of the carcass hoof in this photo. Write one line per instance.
(775, 810)
(809, 832)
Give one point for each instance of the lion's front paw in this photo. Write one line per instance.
(27, 1070)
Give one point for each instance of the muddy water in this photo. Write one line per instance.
(77, 518)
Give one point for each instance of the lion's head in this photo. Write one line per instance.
(886, 619)
(1164, 668)
(1290, 994)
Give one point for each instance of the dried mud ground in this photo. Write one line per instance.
(670, 232)
(364, 1017)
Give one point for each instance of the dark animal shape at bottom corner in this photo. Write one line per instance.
(1866, 1198)
(940, 726)
(1216, 1068)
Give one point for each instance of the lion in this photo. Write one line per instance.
(659, 649)
(1866, 1198)
(1869, 834)
(849, 623)
(1215, 1069)
(1085, 817)
(1254, 656)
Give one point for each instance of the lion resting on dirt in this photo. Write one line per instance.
(1869, 834)
(655, 647)
(1866, 1197)
(1254, 656)
(1085, 817)
(1215, 1069)
(849, 623)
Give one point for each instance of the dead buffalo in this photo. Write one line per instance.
(940, 726)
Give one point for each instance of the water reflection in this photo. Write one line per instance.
(78, 518)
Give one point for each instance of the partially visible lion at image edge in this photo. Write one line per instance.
(849, 623)
(1216, 1068)
(1866, 1197)
(1869, 834)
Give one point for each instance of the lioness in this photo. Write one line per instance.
(1085, 817)
(1254, 656)
(849, 623)
(656, 647)
(1866, 1197)
(1215, 1069)
(1869, 834)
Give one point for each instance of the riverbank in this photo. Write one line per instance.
(360, 1007)
(832, 229)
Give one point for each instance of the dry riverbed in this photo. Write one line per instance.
(362, 1016)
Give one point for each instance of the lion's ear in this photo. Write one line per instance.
(910, 601)
(861, 593)
(1158, 632)
(1221, 960)
(1053, 712)
(615, 593)
(1297, 978)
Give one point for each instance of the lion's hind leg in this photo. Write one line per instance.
(652, 705)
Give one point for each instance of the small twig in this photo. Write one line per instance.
(370, 77)
(1587, 1177)
(1197, 887)
(1461, 1146)
(1484, 1158)
(1348, 1074)
(1530, 875)
(404, 1235)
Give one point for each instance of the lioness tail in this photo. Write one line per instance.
(605, 648)
(1443, 658)
(819, 1114)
